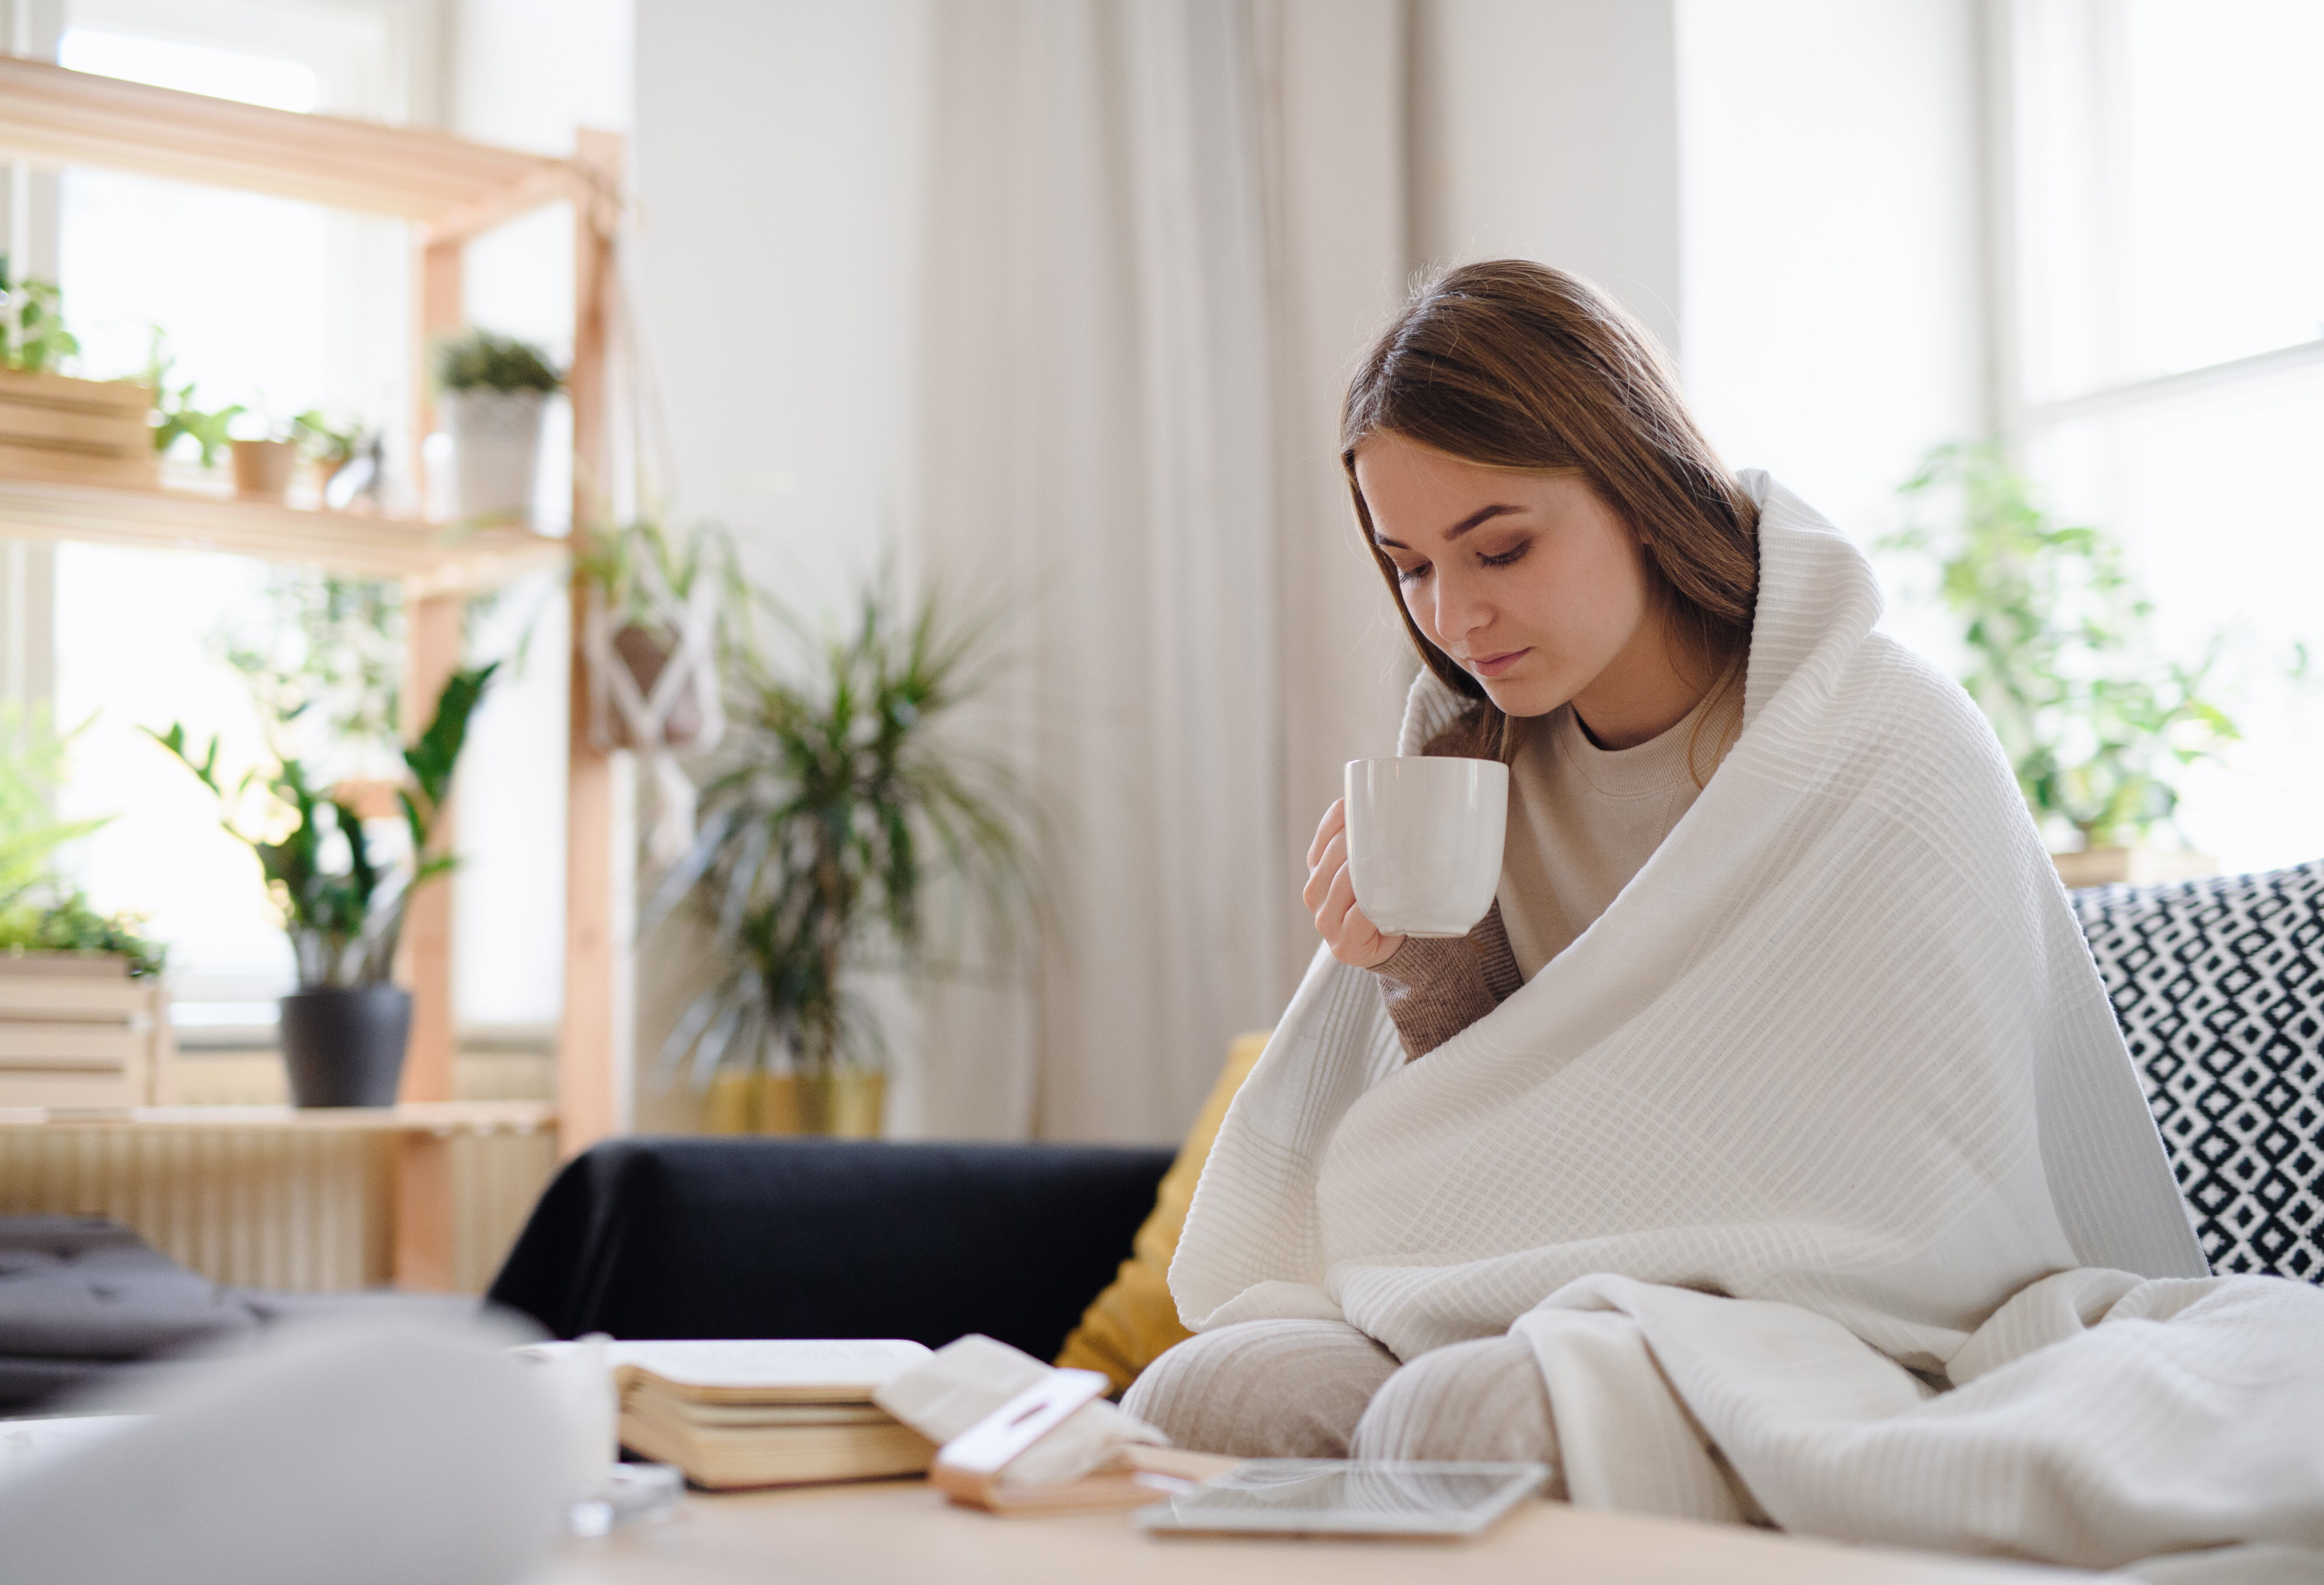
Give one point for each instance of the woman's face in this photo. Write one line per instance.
(1530, 580)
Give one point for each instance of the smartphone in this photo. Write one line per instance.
(1345, 1497)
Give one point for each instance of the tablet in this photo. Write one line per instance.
(1335, 1496)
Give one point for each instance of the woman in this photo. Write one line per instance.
(1776, 1093)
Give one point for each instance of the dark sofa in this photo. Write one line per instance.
(673, 1238)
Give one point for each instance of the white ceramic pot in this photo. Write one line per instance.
(1424, 841)
(495, 452)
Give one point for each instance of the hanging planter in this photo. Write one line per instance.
(495, 395)
(658, 613)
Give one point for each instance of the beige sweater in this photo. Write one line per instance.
(1582, 821)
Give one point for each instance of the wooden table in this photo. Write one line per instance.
(903, 1532)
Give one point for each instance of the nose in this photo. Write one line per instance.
(1462, 609)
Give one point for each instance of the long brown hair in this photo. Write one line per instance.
(1512, 364)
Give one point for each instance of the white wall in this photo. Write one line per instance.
(525, 74)
(778, 160)
(1829, 263)
(1548, 130)
(779, 154)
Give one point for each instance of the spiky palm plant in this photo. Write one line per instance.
(837, 812)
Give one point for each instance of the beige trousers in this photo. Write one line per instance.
(1322, 1389)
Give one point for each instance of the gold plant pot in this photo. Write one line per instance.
(732, 1106)
(845, 1104)
(855, 1098)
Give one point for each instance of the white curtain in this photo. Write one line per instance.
(1157, 232)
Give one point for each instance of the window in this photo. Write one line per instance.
(2166, 372)
(280, 307)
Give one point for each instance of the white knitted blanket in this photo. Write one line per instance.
(1838, 1050)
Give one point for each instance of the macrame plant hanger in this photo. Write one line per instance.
(675, 639)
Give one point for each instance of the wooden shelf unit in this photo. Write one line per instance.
(449, 190)
(429, 559)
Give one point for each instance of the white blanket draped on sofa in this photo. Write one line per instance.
(1815, 1171)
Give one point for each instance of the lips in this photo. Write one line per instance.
(1494, 665)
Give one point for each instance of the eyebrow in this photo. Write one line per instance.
(1483, 514)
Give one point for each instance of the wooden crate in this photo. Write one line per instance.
(78, 431)
(79, 1032)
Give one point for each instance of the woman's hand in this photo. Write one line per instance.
(1331, 896)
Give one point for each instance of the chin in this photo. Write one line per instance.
(1521, 700)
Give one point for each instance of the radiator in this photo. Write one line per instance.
(273, 1209)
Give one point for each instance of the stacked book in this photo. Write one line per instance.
(772, 1413)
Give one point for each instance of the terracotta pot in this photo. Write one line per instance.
(263, 469)
(645, 653)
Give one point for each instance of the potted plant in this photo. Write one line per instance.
(494, 390)
(263, 465)
(839, 812)
(80, 997)
(54, 426)
(345, 1029)
(2097, 723)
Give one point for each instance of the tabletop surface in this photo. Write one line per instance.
(903, 1532)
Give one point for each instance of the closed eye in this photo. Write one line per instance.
(1411, 575)
(1514, 553)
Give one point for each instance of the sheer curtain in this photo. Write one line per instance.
(1152, 250)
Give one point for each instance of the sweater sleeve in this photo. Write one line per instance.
(1436, 987)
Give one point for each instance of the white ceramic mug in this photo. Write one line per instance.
(1424, 841)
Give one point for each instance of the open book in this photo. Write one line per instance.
(778, 1412)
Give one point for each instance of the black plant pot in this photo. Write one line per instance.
(344, 1047)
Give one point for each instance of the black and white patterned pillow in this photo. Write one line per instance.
(2218, 985)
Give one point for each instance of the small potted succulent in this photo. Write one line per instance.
(494, 390)
(345, 1029)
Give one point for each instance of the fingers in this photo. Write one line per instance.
(1339, 899)
(1335, 820)
(1322, 867)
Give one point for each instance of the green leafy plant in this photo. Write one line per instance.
(70, 923)
(838, 811)
(33, 339)
(322, 441)
(341, 904)
(327, 670)
(176, 415)
(482, 361)
(2097, 723)
(37, 912)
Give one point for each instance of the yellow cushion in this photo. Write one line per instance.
(1135, 1319)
